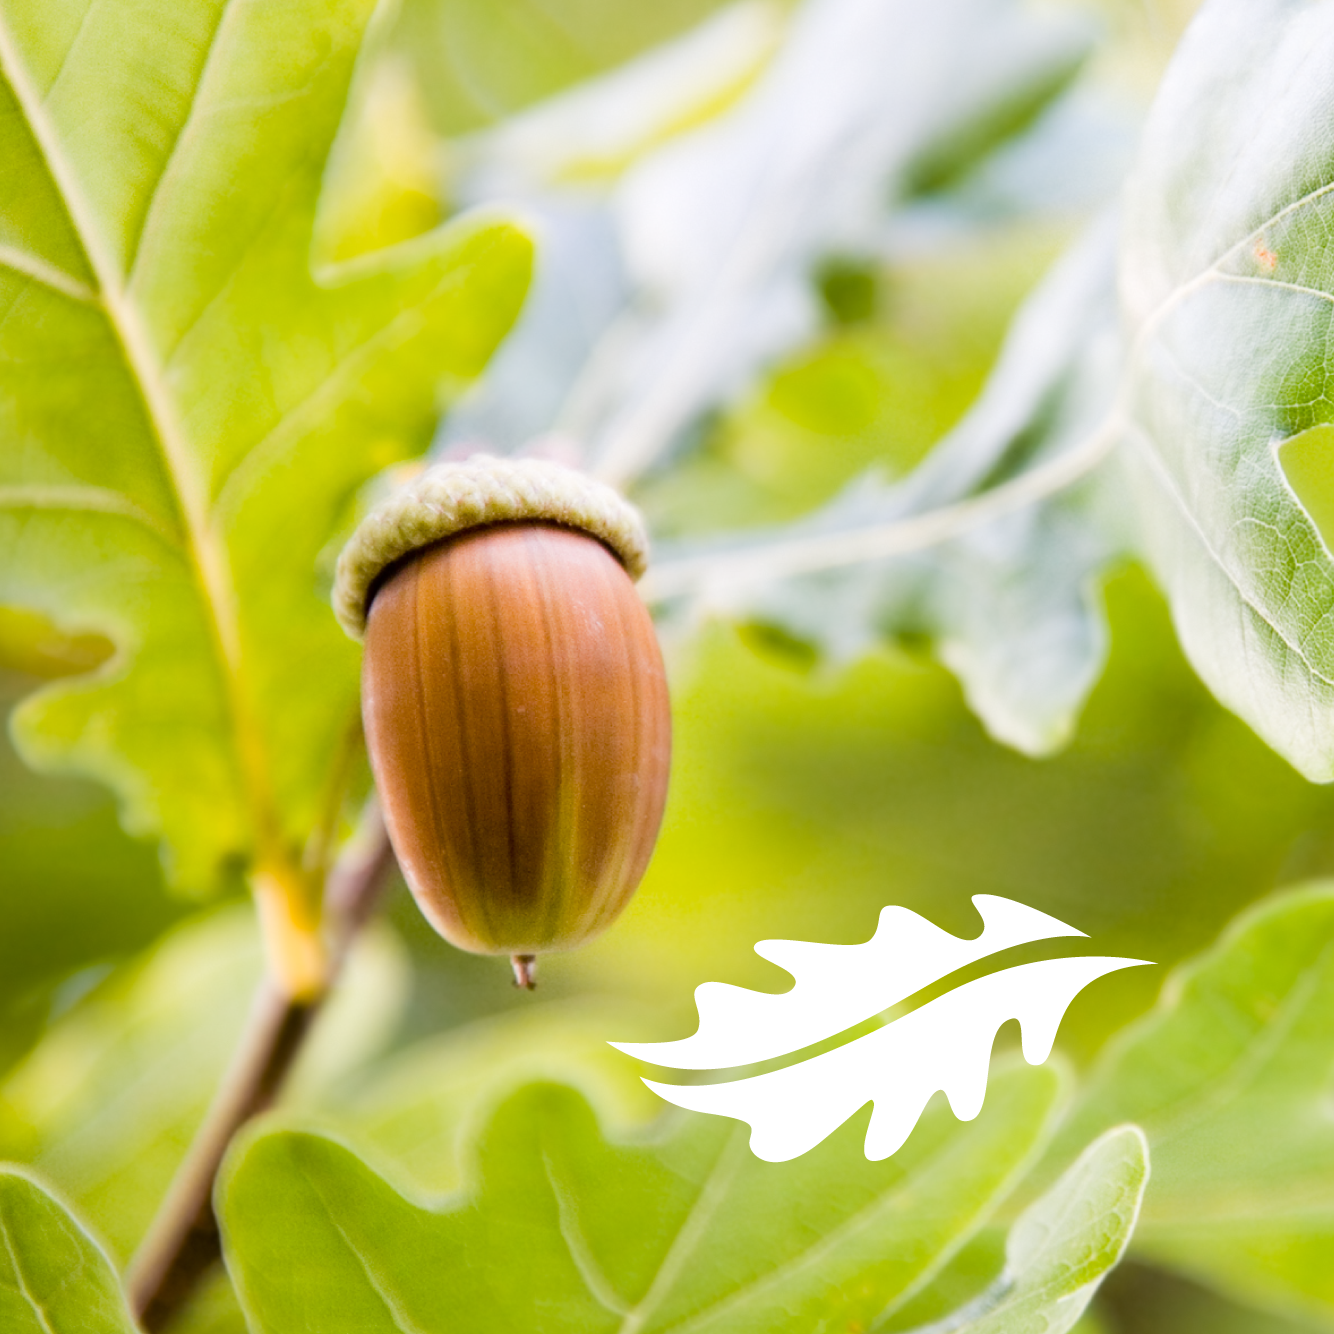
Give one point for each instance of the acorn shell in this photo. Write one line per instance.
(517, 719)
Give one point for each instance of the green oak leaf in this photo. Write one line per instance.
(1228, 285)
(563, 1230)
(409, 1108)
(1229, 1078)
(53, 1278)
(188, 408)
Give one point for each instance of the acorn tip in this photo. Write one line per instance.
(525, 970)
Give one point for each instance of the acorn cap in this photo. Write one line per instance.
(449, 498)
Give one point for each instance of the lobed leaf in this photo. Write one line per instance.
(53, 1277)
(188, 409)
(415, 1108)
(1229, 1078)
(686, 1232)
(77, 892)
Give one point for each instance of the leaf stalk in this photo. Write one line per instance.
(183, 1243)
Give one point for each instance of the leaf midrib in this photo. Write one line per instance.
(203, 550)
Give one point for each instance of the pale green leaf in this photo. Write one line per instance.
(1228, 280)
(685, 1232)
(1229, 1078)
(723, 230)
(1043, 1275)
(1061, 1248)
(1012, 604)
(186, 409)
(53, 1278)
(106, 1104)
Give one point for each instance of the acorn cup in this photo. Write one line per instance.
(514, 700)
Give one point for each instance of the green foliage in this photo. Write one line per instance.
(801, 805)
(53, 1278)
(77, 893)
(1228, 286)
(1230, 1078)
(686, 1232)
(421, 1102)
(189, 410)
(107, 1102)
(1010, 605)
(212, 342)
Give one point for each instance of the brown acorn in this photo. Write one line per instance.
(515, 705)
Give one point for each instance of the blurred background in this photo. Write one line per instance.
(804, 796)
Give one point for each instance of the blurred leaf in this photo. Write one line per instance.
(479, 61)
(589, 135)
(107, 1103)
(32, 646)
(187, 408)
(723, 228)
(214, 1309)
(381, 185)
(688, 1231)
(1011, 605)
(77, 893)
(1230, 1079)
(1229, 288)
(881, 393)
(53, 1278)
(1139, 1299)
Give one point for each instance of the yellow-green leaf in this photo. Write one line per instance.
(187, 409)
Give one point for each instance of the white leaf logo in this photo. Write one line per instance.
(945, 1044)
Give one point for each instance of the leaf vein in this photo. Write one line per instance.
(599, 1285)
(690, 1232)
(182, 134)
(1165, 480)
(86, 498)
(402, 1321)
(231, 487)
(206, 556)
(49, 275)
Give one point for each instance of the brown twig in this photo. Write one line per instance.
(183, 1242)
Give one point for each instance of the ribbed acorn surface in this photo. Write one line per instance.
(517, 719)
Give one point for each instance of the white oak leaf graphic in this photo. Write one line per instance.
(944, 1045)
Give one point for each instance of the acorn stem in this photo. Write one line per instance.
(525, 970)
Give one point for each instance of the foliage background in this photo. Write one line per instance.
(803, 797)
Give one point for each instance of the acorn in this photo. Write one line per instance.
(514, 700)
